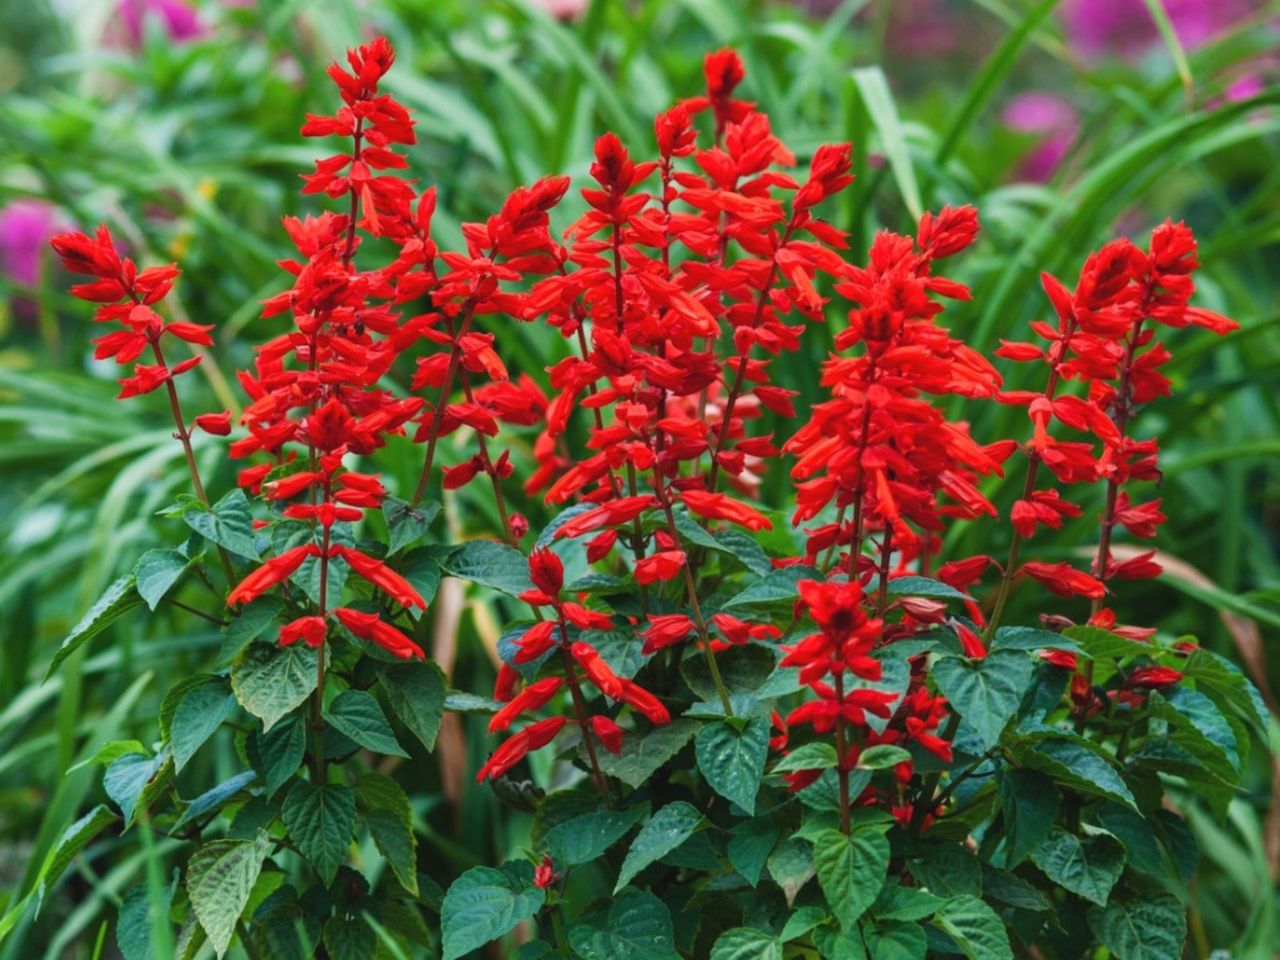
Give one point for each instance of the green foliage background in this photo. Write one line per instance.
(190, 151)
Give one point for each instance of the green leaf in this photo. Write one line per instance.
(586, 838)
(923, 587)
(117, 600)
(319, 820)
(882, 756)
(356, 714)
(750, 844)
(421, 567)
(272, 681)
(277, 753)
(220, 878)
(247, 624)
(746, 551)
(157, 571)
(484, 903)
(948, 870)
(1148, 928)
(897, 902)
(228, 523)
(977, 929)
(809, 756)
(878, 99)
(132, 779)
(1029, 802)
(212, 799)
(895, 940)
(406, 524)
(73, 840)
(851, 870)
(415, 691)
(986, 692)
(199, 713)
(1201, 723)
(1032, 639)
(744, 943)
(637, 927)
(138, 916)
(1223, 681)
(642, 756)
(387, 814)
(732, 759)
(1078, 764)
(666, 830)
(779, 586)
(791, 866)
(801, 920)
(349, 938)
(490, 564)
(1088, 866)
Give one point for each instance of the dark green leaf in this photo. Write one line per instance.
(986, 692)
(213, 799)
(666, 830)
(744, 943)
(1078, 764)
(228, 523)
(484, 903)
(156, 572)
(247, 624)
(132, 780)
(882, 756)
(406, 524)
(851, 870)
(319, 820)
(791, 866)
(750, 844)
(732, 759)
(349, 938)
(199, 713)
(1088, 866)
(115, 602)
(587, 837)
(490, 564)
(642, 756)
(68, 845)
(923, 587)
(387, 814)
(809, 756)
(415, 690)
(277, 753)
(977, 930)
(637, 927)
(1029, 802)
(139, 915)
(356, 714)
(778, 586)
(220, 877)
(895, 940)
(1031, 639)
(1150, 928)
(272, 681)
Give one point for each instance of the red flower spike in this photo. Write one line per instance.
(371, 627)
(531, 698)
(273, 572)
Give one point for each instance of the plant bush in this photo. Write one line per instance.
(743, 729)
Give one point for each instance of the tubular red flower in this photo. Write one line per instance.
(381, 576)
(274, 571)
(373, 628)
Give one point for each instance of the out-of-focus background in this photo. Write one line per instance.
(176, 122)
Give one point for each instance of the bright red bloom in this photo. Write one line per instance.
(533, 737)
(311, 630)
(659, 567)
(544, 875)
(373, 628)
(273, 572)
(1065, 580)
(526, 701)
(1153, 678)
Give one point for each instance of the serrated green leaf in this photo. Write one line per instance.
(1088, 866)
(808, 756)
(1029, 802)
(247, 624)
(356, 714)
(483, 904)
(277, 753)
(801, 921)
(137, 917)
(642, 756)
(132, 780)
(851, 870)
(778, 586)
(895, 940)
(212, 799)
(228, 523)
(349, 938)
(882, 756)
(585, 838)
(156, 571)
(65, 849)
(198, 715)
(220, 877)
(637, 927)
(750, 844)
(1032, 639)
(117, 600)
(272, 681)
(922, 587)
(986, 693)
(1147, 928)
(791, 866)
(490, 564)
(387, 814)
(732, 759)
(1076, 763)
(415, 691)
(666, 830)
(319, 820)
(746, 551)
(744, 943)
(977, 929)
(406, 524)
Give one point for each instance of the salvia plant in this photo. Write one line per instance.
(760, 730)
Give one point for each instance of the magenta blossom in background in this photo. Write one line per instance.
(180, 20)
(25, 229)
(1100, 28)
(1053, 120)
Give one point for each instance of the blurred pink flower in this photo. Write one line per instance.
(1100, 28)
(180, 20)
(25, 229)
(1052, 119)
(564, 9)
